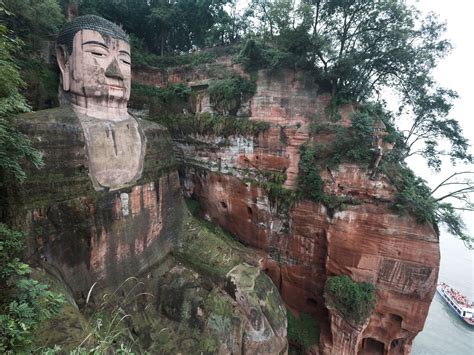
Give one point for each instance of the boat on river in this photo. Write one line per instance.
(457, 302)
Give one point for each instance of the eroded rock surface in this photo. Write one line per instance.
(305, 245)
(105, 213)
(94, 235)
(93, 241)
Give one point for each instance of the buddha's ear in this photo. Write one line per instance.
(62, 56)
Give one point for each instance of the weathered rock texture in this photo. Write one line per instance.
(97, 243)
(208, 296)
(91, 235)
(301, 248)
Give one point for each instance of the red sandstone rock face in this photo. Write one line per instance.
(85, 235)
(401, 257)
(300, 250)
(77, 238)
(369, 242)
(185, 74)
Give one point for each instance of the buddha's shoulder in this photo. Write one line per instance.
(60, 118)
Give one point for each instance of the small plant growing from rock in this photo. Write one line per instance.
(354, 301)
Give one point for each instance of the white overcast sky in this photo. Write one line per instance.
(456, 72)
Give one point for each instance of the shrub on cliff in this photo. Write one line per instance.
(355, 301)
(183, 125)
(24, 303)
(172, 99)
(309, 181)
(228, 94)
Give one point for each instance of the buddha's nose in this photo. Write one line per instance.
(113, 70)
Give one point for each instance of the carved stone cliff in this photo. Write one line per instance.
(106, 224)
(302, 246)
(138, 240)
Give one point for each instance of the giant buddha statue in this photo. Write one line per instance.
(93, 55)
(106, 205)
(106, 208)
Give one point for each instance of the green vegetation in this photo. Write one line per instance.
(352, 53)
(279, 196)
(33, 23)
(255, 55)
(303, 330)
(155, 23)
(208, 249)
(140, 57)
(227, 94)
(311, 185)
(309, 181)
(353, 144)
(354, 301)
(42, 80)
(206, 123)
(108, 328)
(220, 320)
(15, 148)
(416, 198)
(413, 195)
(170, 100)
(24, 302)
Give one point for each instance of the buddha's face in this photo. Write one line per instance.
(98, 69)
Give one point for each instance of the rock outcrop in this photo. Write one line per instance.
(91, 235)
(301, 246)
(197, 290)
(96, 243)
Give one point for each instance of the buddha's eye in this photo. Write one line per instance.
(125, 61)
(98, 54)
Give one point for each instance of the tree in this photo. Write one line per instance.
(464, 186)
(162, 19)
(432, 128)
(15, 148)
(33, 20)
(24, 302)
(228, 26)
(156, 21)
(35, 23)
(452, 195)
(359, 48)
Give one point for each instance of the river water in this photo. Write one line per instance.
(445, 333)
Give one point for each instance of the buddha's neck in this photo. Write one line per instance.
(99, 109)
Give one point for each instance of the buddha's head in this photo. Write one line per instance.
(94, 58)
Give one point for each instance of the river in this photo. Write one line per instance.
(445, 333)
